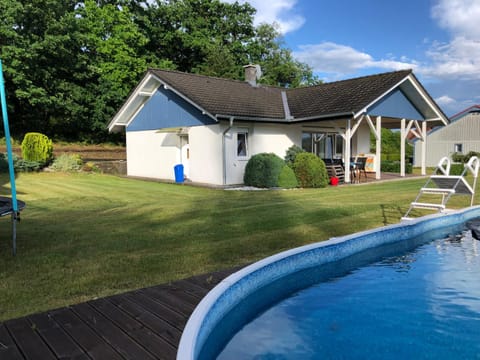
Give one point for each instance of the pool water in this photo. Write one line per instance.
(421, 303)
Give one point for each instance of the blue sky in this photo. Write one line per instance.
(438, 39)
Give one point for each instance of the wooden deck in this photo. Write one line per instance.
(141, 324)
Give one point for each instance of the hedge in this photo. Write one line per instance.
(394, 167)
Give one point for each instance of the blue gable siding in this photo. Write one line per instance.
(396, 105)
(165, 109)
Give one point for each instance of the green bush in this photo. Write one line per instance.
(91, 167)
(463, 158)
(3, 163)
(310, 170)
(19, 165)
(37, 147)
(67, 163)
(291, 154)
(287, 178)
(22, 165)
(394, 167)
(458, 157)
(262, 170)
(456, 169)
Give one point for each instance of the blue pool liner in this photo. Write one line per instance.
(242, 284)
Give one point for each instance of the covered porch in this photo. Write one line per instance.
(406, 108)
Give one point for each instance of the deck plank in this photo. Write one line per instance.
(136, 328)
(28, 340)
(141, 324)
(122, 343)
(93, 344)
(171, 316)
(58, 340)
(8, 348)
(173, 298)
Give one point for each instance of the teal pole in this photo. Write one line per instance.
(10, 156)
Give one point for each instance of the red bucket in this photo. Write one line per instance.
(334, 181)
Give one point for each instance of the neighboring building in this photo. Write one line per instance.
(213, 126)
(462, 135)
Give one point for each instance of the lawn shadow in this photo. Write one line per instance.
(391, 214)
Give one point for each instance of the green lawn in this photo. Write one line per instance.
(84, 236)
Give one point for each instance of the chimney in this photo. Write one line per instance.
(252, 73)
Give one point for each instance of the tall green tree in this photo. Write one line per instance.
(37, 44)
(278, 65)
(69, 65)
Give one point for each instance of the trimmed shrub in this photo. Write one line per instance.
(287, 178)
(262, 170)
(394, 167)
(291, 154)
(310, 170)
(37, 147)
(67, 163)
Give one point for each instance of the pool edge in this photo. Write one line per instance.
(240, 284)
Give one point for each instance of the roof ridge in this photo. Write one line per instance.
(215, 77)
(355, 79)
(468, 109)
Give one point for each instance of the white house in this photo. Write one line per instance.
(462, 135)
(213, 126)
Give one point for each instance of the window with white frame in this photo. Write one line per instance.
(458, 148)
(242, 144)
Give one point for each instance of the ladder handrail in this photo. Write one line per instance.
(444, 166)
(443, 169)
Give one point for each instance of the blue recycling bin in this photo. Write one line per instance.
(178, 169)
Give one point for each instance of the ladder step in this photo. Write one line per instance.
(427, 206)
(437, 191)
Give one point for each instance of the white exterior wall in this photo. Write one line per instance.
(361, 140)
(269, 138)
(152, 154)
(275, 138)
(206, 163)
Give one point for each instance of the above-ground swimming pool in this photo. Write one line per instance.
(404, 291)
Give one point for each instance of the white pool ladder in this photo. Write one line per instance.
(444, 185)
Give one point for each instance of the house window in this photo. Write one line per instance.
(324, 145)
(242, 144)
(307, 142)
(458, 148)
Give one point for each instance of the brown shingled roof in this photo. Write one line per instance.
(226, 97)
(238, 98)
(340, 97)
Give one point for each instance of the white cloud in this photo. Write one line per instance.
(281, 12)
(460, 57)
(445, 100)
(341, 60)
(458, 16)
